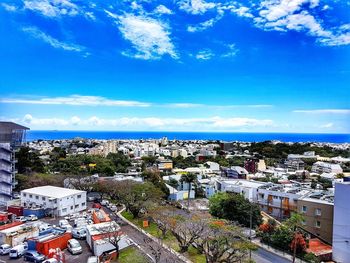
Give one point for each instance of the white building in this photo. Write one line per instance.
(58, 200)
(341, 223)
(323, 167)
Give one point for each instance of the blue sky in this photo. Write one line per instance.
(257, 66)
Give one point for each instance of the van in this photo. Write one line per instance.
(79, 233)
(63, 223)
(5, 249)
(18, 251)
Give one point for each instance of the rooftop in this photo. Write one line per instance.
(52, 191)
(6, 127)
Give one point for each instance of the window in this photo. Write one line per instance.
(318, 224)
(37, 197)
(71, 208)
(64, 210)
(318, 211)
(30, 196)
(76, 206)
(304, 209)
(43, 198)
(79, 196)
(83, 204)
(24, 194)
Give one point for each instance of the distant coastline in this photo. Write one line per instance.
(223, 136)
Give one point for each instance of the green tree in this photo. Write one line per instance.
(28, 161)
(235, 207)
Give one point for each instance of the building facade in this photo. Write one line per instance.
(57, 201)
(12, 136)
(317, 210)
(341, 223)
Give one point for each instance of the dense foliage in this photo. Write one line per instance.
(234, 207)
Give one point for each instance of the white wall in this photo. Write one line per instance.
(341, 223)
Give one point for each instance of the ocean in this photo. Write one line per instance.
(222, 136)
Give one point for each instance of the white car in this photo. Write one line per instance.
(105, 202)
(21, 219)
(114, 208)
(31, 218)
(5, 249)
(63, 223)
(74, 247)
(51, 260)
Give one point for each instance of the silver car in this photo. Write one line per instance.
(74, 246)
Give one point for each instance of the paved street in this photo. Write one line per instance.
(264, 256)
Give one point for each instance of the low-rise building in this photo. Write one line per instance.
(57, 201)
(324, 167)
(317, 210)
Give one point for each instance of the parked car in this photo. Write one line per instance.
(93, 259)
(74, 246)
(18, 251)
(51, 260)
(79, 233)
(31, 218)
(105, 202)
(114, 208)
(63, 223)
(33, 256)
(5, 249)
(21, 219)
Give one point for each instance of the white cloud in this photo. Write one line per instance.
(285, 15)
(242, 11)
(206, 24)
(204, 54)
(37, 33)
(78, 100)
(8, 7)
(327, 125)
(161, 9)
(148, 123)
(196, 7)
(149, 37)
(52, 8)
(232, 51)
(324, 111)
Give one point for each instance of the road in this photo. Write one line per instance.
(264, 256)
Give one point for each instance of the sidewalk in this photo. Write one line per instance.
(276, 251)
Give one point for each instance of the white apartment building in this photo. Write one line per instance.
(341, 223)
(324, 167)
(57, 200)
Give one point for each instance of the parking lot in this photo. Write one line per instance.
(69, 258)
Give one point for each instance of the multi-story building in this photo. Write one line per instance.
(294, 164)
(278, 200)
(324, 167)
(12, 136)
(58, 201)
(317, 210)
(341, 223)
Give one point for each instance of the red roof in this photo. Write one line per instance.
(3, 227)
(317, 247)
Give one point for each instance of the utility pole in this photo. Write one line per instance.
(250, 228)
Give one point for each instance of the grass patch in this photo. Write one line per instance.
(131, 255)
(128, 215)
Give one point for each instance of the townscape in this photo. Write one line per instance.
(160, 200)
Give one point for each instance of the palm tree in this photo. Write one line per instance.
(188, 178)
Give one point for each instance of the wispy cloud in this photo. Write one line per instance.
(37, 33)
(162, 9)
(145, 123)
(8, 7)
(327, 125)
(52, 8)
(78, 100)
(149, 37)
(196, 7)
(205, 54)
(324, 111)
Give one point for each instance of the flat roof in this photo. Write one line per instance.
(6, 126)
(52, 191)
